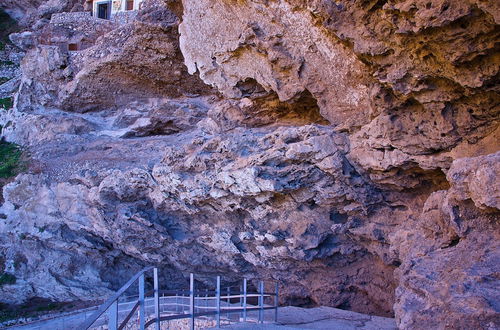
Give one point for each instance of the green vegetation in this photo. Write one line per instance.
(7, 63)
(7, 278)
(10, 155)
(8, 314)
(6, 103)
(3, 80)
(47, 308)
(31, 308)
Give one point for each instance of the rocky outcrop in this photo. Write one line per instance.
(33, 14)
(122, 67)
(413, 98)
(261, 45)
(246, 203)
(351, 154)
(17, 9)
(451, 270)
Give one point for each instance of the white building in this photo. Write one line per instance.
(106, 9)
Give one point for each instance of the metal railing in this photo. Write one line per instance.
(111, 305)
(213, 310)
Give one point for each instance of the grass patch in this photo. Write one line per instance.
(7, 278)
(10, 155)
(6, 103)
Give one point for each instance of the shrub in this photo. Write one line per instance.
(10, 155)
(7, 63)
(6, 103)
(46, 308)
(7, 278)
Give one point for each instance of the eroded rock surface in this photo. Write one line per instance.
(352, 154)
(449, 257)
(282, 49)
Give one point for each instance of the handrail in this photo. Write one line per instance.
(233, 294)
(199, 292)
(192, 294)
(129, 316)
(198, 314)
(104, 307)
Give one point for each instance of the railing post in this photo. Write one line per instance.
(228, 303)
(240, 292)
(244, 300)
(176, 303)
(191, 299)
(157, 298)
(217, 302)
(113, 316)
(276, 302)
(142, 307)
(206, 300)
(261, 302)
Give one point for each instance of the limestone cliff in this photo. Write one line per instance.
(348, 149)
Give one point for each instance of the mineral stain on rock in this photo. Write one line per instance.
(348, 150)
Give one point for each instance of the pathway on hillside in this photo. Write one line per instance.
(327, 318)
(289, 318)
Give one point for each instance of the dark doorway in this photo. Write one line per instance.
(130, 4)
(103, 10)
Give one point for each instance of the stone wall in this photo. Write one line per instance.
(78, 29)
(72, 18)
(124, 17)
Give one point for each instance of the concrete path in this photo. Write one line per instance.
(293, 318)
(71, 321)
(289, 318)
(168, 306)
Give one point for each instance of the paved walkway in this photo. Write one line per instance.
(293, 318)
(289, 318)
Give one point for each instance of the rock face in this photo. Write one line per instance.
(36, 13)
(348, 150)
(262, 45)
(113, 73)
(449, 254)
